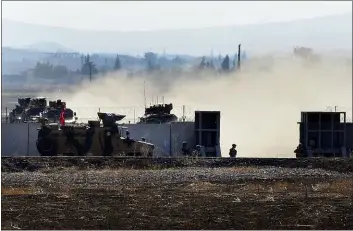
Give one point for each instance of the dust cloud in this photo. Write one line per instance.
(260, 106)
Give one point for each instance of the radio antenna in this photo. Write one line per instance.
(144, 92)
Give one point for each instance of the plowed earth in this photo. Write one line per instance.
(189, 197)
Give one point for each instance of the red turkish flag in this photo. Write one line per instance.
(62, 116)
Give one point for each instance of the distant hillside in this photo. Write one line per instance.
(330, 32)
(48, 47)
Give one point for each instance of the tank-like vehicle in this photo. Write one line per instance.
(52, 112)
(27, 110)
(35, 109)
(92, 139)
(158, 114)
(16, 115)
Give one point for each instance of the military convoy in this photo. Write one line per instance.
(92, 139)
(32, 109)
(158, 114)
(322, 134)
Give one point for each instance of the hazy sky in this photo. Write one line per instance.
(161, 15)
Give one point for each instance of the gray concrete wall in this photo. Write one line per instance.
(182, 131)
(20, 139)
(157, 134)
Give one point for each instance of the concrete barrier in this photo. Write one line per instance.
(20, 139)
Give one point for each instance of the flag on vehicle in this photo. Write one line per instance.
(62, 115)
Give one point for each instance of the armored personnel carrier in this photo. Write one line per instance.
(52, 112)
(92, 139)
(16, 115)
(158, 114)
(27, 110)
(35, 109)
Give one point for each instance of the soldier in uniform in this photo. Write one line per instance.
(233, 152)
(184, 150)
(197, 151)
(299, 151)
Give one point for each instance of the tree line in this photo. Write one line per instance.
(89, 68)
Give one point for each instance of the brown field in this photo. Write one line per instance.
(235, 196)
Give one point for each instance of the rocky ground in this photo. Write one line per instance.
(45, 195)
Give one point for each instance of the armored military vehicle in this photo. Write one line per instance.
(158, 114)
(16, 115)
(35, 109)
(27, 110)
(92, 139)
(52, 112)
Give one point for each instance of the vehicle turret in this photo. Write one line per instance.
(109, 119)
(159, 109)
(159, 113)
(24, 102)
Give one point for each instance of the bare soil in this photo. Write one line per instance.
(189, 197)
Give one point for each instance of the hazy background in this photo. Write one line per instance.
(193, 28)
(259, 105)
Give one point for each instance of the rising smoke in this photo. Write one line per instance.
(260, 106)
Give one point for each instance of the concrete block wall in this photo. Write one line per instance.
(20, 139)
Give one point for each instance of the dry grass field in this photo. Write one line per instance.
(233, 196)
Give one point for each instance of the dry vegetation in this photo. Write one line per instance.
(236, 196)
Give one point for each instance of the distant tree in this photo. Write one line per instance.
(60, 71)
(151, 59)
(117, 64)
(88, 67)
(43, 70)
(235, 60)
(225, 63)
(177, 60)
(203, 63)
(210, 65)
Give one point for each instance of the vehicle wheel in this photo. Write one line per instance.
(75, 151)
(46, 147)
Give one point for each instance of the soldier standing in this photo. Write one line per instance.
(197, 151)
(184, 150)
(299, 151)
(233, 152)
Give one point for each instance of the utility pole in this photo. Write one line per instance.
(239, 50)
(89, 63)
(144, 92)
